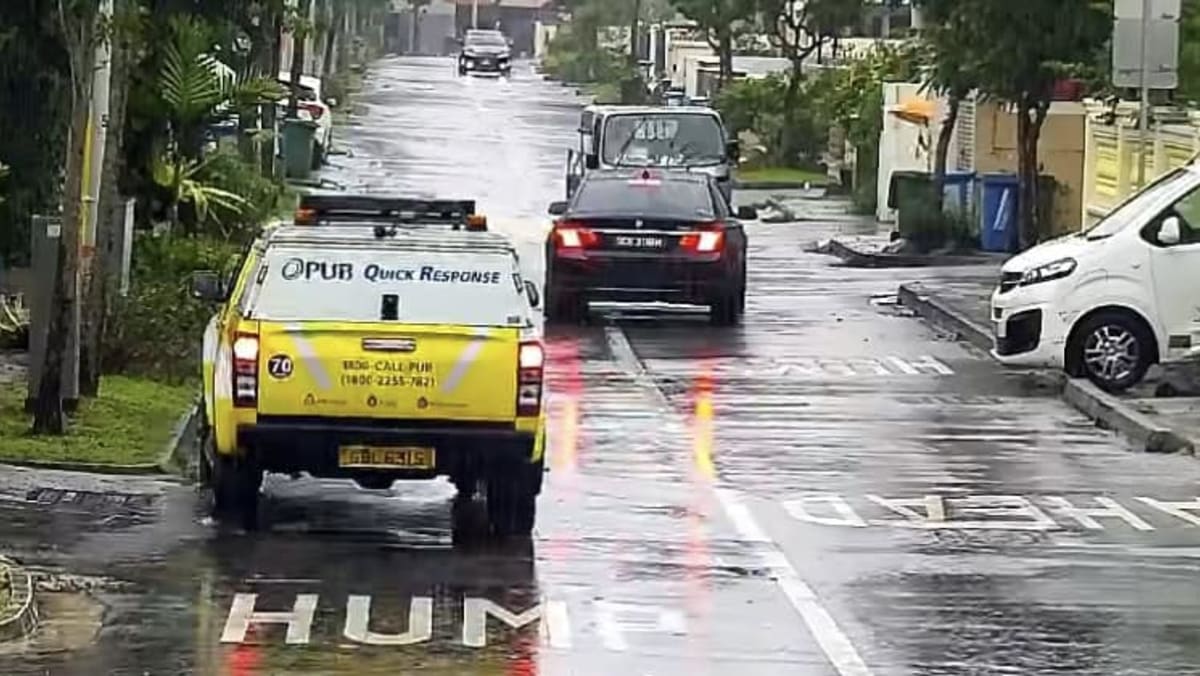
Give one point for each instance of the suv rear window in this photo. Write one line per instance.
(353, 285)
(646, 199)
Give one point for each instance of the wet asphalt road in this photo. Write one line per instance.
(832, 488)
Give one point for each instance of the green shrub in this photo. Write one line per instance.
(156, 330)
(264, 198)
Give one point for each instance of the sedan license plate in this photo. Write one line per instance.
(639, 242)
(386, 457)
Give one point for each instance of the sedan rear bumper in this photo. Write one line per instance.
(640, 279)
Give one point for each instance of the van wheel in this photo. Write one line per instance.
(236, 484)
(1113, 350)
(512, 501)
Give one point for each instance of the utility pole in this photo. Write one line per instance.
(1144, 108)
(474, 13)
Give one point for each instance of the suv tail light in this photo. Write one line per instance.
(313, 109)
(711, 239)
(531, 359)
(245, 370)
(572, 236)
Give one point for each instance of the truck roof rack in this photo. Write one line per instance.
(329, 209)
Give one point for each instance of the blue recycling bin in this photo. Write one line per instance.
(998, 213)
(957, 192)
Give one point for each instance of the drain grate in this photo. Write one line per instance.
(92, 501)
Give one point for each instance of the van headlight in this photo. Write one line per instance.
(1048, 272)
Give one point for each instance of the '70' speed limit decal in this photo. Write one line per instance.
(280, 367)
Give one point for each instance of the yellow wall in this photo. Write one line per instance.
(1060, 153)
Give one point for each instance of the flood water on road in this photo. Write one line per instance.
(830, 488)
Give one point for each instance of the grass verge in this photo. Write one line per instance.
(128, 424)
(781, 175)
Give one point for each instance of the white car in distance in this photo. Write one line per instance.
(312, 106)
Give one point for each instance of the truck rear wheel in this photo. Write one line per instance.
(512, 501)
(235, 485)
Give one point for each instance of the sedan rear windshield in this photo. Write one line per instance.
(409, 287)
(613, 198)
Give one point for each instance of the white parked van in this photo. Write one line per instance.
(1108, 302)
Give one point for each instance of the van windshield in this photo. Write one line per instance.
(1123, 215)
(663, 139)
(406, 286)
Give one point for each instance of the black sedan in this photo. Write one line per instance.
(647, 236)
(485, 51)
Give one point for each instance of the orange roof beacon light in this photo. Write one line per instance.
(477, 223)
(306, 216)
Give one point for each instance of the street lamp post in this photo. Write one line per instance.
(474, 13)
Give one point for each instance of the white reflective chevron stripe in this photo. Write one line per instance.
(209, 352)
(465, 361)
(223, 374)
(308, 356)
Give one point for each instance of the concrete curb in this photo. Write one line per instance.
(940, 314)
(19, 618)
(1081, 393)
(173, 456)
(1099, 405)
(863, 259)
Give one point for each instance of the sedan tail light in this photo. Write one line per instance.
(245, 371)
(531, 359)
(572, 235)
(711, 239)
(314, 110)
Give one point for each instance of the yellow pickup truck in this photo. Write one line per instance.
(375, 339)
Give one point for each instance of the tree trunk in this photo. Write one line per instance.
(333, 36)
(110, 211)
(48, 415)
(299, 54)
(788, 133)
(633, 34)
(1030, 116)
(953, 103)
(267, 147)
(725, 52)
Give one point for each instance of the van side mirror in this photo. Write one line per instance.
(747, 213)
(557, 208)
(1170, 232)
(591, 161)
(207, 286)
(733, 150)
(531, 290)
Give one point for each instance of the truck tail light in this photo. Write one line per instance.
(711, 239)
(531, 359)
(572, 236)
(245, 370)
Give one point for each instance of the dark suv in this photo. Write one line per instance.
(485, 51)
(646, 235)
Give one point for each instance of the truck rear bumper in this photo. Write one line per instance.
(295, 445)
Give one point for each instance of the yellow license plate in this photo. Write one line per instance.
(383, 457)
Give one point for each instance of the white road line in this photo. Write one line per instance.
(825, 630)
(833, 641)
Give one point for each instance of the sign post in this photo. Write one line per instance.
(1146, 56)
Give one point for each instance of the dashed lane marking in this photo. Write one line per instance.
(834, 642)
